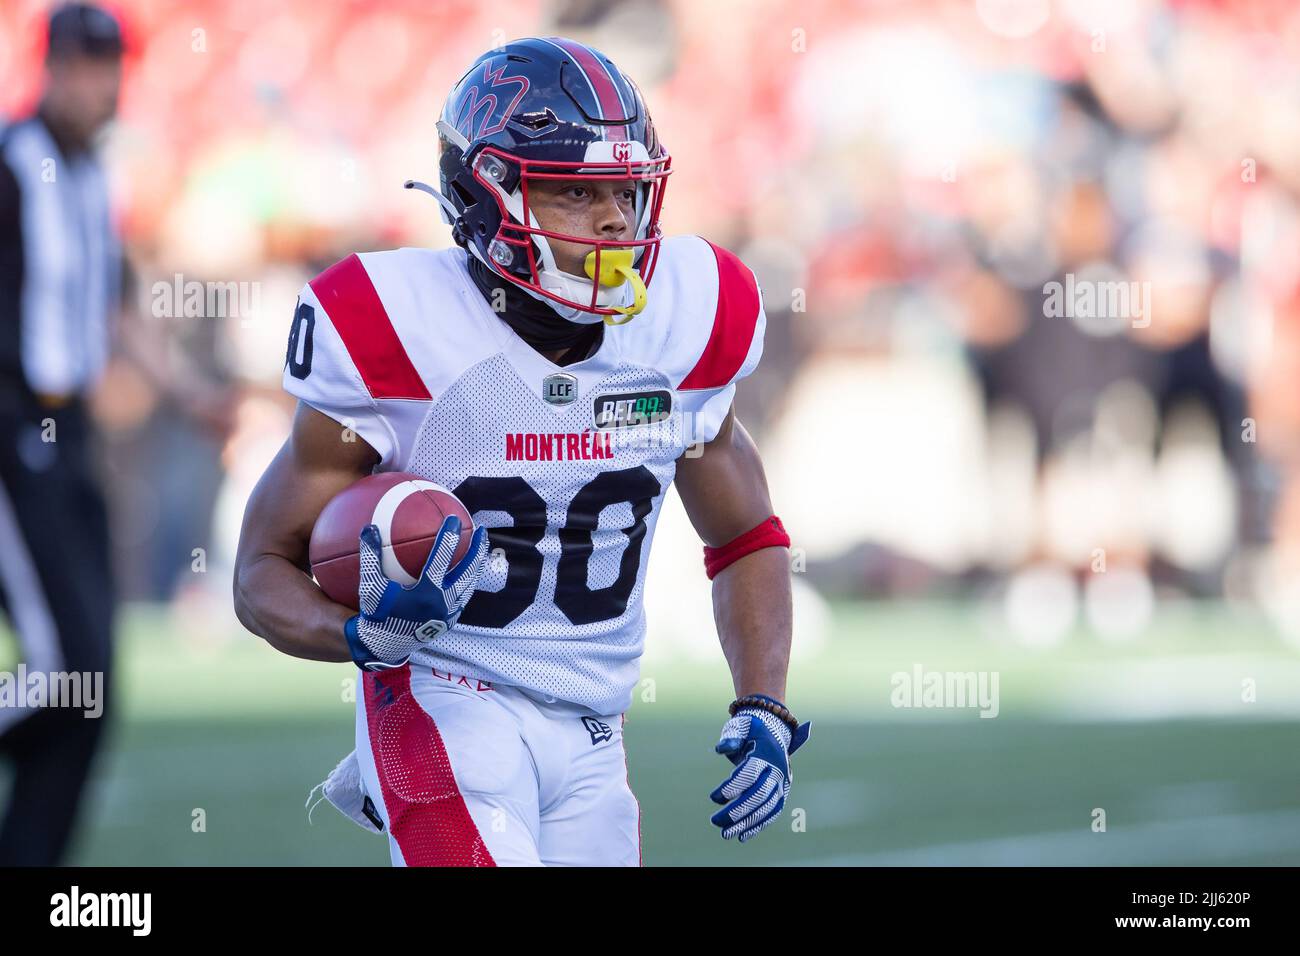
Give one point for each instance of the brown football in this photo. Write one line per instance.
(408, 510)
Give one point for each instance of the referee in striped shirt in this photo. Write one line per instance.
(59, 276)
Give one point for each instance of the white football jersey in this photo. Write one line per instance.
(567, 466)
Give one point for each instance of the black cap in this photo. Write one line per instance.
(84, 29)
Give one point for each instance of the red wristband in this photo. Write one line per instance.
(769, 533)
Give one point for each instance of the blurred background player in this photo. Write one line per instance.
(59, 282)
(62, 332)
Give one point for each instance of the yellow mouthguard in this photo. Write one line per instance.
(615, 269)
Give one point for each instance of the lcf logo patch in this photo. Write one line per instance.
(598, 729)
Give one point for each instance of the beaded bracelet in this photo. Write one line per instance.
(763, 702)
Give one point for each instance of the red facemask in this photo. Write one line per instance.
(617, 270)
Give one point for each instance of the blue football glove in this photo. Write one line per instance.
(395, 620)
(759, 743)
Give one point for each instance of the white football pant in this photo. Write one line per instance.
(468, 773)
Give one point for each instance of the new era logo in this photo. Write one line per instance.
(598, 729)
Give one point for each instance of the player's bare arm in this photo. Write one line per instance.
(725, 493)
(275, 596)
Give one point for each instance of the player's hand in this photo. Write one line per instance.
(759, 743)
(395, 619)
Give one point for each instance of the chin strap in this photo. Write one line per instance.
(616, 269)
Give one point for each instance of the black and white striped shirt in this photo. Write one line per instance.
(60, 263)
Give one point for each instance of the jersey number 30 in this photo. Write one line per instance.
(580, 603)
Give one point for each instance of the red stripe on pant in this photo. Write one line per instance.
(627, 777)
(427, 815)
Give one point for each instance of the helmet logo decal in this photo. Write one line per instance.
(622, 152)
(475, 101)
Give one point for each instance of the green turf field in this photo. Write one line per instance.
(1155, 733)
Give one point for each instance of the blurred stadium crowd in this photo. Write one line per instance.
(908, 180)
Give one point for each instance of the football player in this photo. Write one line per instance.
(556, 369)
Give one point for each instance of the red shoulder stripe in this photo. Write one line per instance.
(733, 325)
(353, 305)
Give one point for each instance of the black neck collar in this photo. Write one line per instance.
(534, 321)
